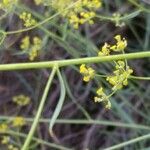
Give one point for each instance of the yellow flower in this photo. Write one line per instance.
(21, 100)
(81, 12)
(87, 72)
(38, 2)
(31, 48)
(18, 122)
(102, 97)
(27, 19)
(120, 77)
(105, 51)
(120, 45)
(25, 43)
(7, 4)
(3, 127)
(5, 140)
(12, 147)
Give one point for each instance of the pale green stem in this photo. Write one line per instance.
(139, 78)
(39, 111)
(115, 147)
(40, 141)
(83, 121)
(77, 61)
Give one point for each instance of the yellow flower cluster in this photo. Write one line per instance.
(121, 44)
(120, 77)
(31, 48)
(38, 2)
(18, 121)
(12, 147)
(102, 97)
(81, 12)
(87, 72)
(7, 4)
(27, 19)
(15, 123)
(3, 127)
(6, 141)
(21, 100)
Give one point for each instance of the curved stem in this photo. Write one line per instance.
(59, 104)
(39, 111)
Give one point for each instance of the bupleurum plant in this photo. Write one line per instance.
(52, 21)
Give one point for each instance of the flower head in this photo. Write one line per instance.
(120, 45)
(21, 100)
(102, 97)
(31, 46)
(81, 11)
(120, 77)
(3, 127)
(5, 140)
(27, 19)
(87, 72)
(18, 121)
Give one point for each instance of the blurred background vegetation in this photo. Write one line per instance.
(129, 116)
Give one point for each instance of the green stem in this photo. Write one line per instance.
(77, 61)
(139, 78)
(83, 121)
(38, 114)
(39, 141)
(144, 137)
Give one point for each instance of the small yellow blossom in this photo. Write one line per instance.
(120, 77)
(31, 47)
(25, 43)
(28, 20)
(7, 4)
(120, 45)
(102, 97)
(12, 147)
(105, 51)
(38, 2)
(5, 140)
(87, 72)
(3, 127)
(81, 12)
(21, 100)
(18, 122)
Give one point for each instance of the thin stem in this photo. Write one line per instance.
(39, 141)
(121, 18)
(77, 61)
(139, 78)
(83, 121)
(39, 111)
(144, 137)
(139, 6)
